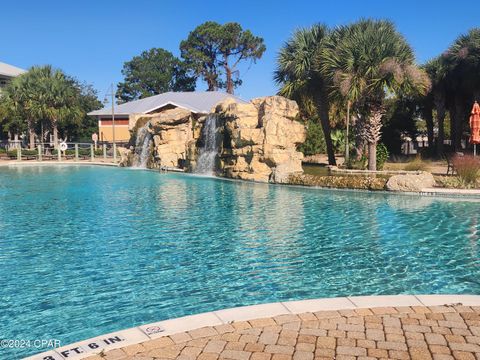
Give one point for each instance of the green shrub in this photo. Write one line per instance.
(358, 164)
(315, 141)
(338, 140)
(12, 153)
(467, 168)
(448, 182)
(81, 152)
(25, 152)
(2, 151)
(417, 164)
(382, 156)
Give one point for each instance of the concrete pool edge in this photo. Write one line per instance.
(142, 333)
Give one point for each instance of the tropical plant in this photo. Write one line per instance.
(212, 48)
(382, 156)
(12, 113)
(315, 141)
(366, 62)
(45, 96)
(437, 69)
(153, 72)
(299, 80)
(338, 140)
(463, 61)
(53, 97)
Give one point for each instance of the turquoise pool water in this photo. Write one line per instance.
(90, 250)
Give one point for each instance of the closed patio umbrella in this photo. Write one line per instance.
(475, 127)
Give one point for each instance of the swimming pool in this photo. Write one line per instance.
(88, 250)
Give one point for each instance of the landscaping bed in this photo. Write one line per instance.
(340, 182)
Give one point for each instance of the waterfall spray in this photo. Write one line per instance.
(142, 147)
(208, 153)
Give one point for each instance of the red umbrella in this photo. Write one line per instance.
(475, 124)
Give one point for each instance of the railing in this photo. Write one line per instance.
(10, 144)
(63, 152)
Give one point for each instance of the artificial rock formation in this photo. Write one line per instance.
(260, 139)
(172, 130)
(256, 140)
(411, 182)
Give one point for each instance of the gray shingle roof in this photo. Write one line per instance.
(10, 70)
(196, 101)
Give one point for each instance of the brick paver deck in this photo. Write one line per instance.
(438, 332)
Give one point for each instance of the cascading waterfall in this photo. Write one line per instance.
(208, 153)
(142, 148)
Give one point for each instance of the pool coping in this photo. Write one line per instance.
(142, 333)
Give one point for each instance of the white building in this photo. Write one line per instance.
(7, 72)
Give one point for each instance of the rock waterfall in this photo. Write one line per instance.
(208, 152)
(143, 145)
(254, 141)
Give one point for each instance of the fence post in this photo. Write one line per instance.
(19, 153)
(104, 152)
(92, 153)
(39, 152)
(76, 152)
(114, 152)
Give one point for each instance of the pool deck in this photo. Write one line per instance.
(438, 327)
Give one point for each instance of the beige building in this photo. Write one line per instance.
(105, 129)
(126, 115)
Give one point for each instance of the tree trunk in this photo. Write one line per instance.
(228, 73)
(372, 156)
(459, 120)
(211, 85)
(428, 114)
(322, 106)
(439, 101)
(371, 133)
(31, 136)
(55, 135)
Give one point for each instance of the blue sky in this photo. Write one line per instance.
(92, 39)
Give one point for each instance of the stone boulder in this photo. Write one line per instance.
(260, 139)
(125, 155)
(411, 182)
(278, 105)
(173, 130)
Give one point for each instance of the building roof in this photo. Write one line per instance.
(196, 101)
(10, 70)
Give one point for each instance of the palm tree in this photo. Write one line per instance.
(366, 62)
(437, 70)
(54, 97)
(463, 61)
(15, 107)
(43, 93)
(300, 81)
